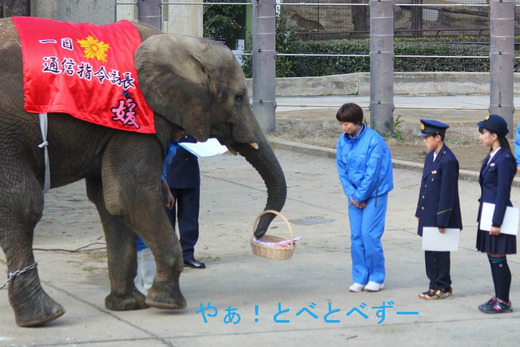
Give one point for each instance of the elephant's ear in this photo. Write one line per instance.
(176, 84)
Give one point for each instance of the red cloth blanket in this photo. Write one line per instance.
(85, 70)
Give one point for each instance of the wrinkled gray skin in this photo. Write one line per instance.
(193, 86)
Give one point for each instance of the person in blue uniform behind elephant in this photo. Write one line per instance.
(183, 178)
(365, 170)
(439, 204)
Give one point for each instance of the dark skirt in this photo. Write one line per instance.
(496, 244)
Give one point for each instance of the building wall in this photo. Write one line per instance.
(178, 19)
(77, 11)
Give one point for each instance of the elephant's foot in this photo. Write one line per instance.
(125, 302)
(37, 310)
(166, 296)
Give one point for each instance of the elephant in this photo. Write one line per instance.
(193, 86)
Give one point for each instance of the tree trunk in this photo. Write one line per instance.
(359, 16)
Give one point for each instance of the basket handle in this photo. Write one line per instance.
(281, 216)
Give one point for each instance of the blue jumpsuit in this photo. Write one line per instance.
(365, 171)
(517, 145)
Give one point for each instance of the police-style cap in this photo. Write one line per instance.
(432, 128)
(495, 124)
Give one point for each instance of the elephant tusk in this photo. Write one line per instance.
(254, 145)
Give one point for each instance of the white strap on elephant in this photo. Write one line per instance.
(44, 144)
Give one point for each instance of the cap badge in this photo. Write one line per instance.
(487, 118)
(422, 126)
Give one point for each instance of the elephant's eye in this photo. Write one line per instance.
(239, 97)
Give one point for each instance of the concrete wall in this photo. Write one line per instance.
(183, 19)
(76, 11)
(405, 83)
(178, 19)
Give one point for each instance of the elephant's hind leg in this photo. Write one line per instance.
(21, 208)
(122, 261)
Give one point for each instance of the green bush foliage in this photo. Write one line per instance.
(223, 23)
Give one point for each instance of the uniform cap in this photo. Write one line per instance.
(432, 128)
(495, 124)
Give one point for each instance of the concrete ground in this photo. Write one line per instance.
(255, 301)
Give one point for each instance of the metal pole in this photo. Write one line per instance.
(501, 59)
(264, 67)
(149, 12)
(382, 65)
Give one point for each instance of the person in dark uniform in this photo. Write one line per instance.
(183, 178)
(438, 205)
(496, 178)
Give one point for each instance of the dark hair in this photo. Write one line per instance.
(351, 113)
(504, 143)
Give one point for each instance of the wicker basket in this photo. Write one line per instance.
(269, 251)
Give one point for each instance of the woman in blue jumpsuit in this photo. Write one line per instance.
(365, 171)
(496, 176)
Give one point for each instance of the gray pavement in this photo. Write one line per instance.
(262, 291)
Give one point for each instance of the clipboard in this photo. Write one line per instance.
(433, 240)
(509, 224)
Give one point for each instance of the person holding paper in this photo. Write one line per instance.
(183, 178)
(439, 204)
(365, 171)
(496, 177)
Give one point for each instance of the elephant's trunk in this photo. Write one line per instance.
(265, 162)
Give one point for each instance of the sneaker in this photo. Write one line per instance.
(429, 292)
(495, 305)
(374, 286)
(440, 294)
(356, 287)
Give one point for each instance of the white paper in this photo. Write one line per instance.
(284, 243)
(204, 149)
(509, 224)
(433, 240)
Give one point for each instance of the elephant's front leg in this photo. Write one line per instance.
(132, 190)
(121, 253)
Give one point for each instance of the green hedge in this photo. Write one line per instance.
(302, 66)
(298, 66)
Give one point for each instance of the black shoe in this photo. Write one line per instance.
(495, 305)
(195, 264)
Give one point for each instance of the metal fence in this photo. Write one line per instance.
(333, 19)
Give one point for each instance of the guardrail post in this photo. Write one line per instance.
(501, 56)
(264, 66)
(382, 65)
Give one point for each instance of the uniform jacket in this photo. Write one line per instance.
(364, 165)
(183, 171)
(439, 204)
(495, 183)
